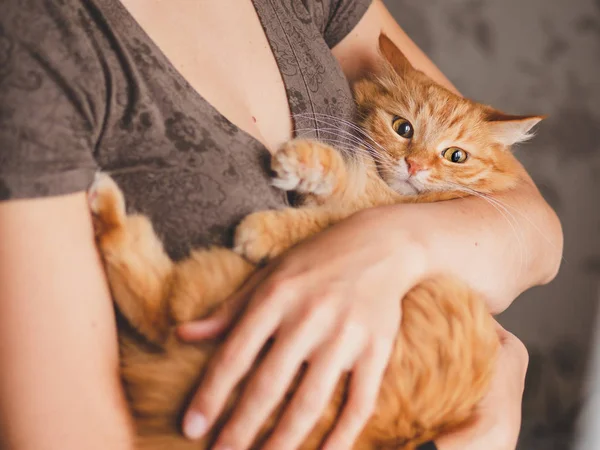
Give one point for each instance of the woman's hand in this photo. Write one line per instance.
(498, 418)
(333, 301)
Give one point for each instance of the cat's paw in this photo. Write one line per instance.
(256, 237)
(106, 202)
(306, 166)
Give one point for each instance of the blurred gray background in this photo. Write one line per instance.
(540, 57)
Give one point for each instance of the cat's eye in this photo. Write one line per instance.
(455, 155)
(403, 127)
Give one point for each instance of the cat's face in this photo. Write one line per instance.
(429, 139)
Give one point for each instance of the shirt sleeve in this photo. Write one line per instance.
(50, 109)
(337, 18)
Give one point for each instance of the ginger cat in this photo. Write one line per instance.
(420, 143)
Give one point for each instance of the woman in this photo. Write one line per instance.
(181, 101)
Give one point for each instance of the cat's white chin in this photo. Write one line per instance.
(404, 187)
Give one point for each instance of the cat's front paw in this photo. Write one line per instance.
(307, 166)
(257, 239)
(106, 203)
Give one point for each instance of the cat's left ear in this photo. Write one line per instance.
(394, 55)
(508, 129)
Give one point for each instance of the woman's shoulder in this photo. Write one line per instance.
(50, 43)
(52, 91)
(39, 22)
(336, 18)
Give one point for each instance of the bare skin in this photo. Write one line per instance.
(183, 29)
(59, 387)
(72, 400)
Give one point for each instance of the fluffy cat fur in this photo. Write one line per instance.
(447, 342)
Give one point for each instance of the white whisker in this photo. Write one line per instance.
(498, 206)
(535, 227)
(358, 145)
(339, 120)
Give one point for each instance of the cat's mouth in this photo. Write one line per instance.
(401, 181)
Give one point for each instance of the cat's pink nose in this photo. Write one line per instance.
(413, 166)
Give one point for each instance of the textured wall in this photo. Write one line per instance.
(537, 56)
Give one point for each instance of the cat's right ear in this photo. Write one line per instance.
(394, 56)
(510, 129)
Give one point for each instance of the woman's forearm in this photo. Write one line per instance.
(59, 380)
(501, 247)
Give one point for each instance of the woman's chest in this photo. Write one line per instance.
(188, 169)
(222, 51)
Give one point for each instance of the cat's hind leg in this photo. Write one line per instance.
(139, 271)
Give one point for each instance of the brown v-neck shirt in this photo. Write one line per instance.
(83, 88)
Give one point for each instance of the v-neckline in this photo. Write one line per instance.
(177, 73)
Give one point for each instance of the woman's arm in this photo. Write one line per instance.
(501, 249)
(59, 383)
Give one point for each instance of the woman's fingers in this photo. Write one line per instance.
(209, 328)
(313, 395)
(221, 320)
(364, 389)
(269, 384)
(229, 365)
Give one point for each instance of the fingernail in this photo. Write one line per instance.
(194, 425)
